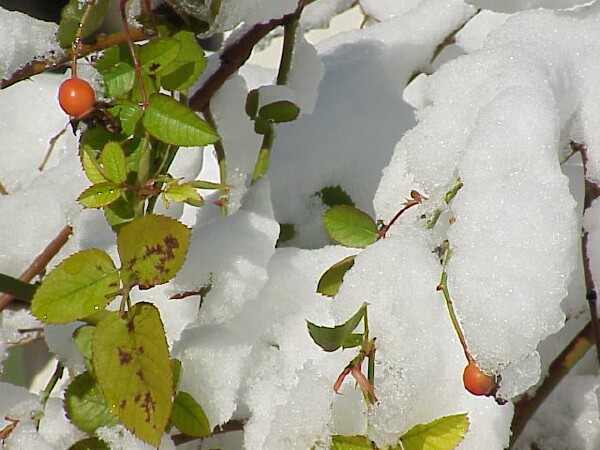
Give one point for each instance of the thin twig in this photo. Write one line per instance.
(236, 54)
(40, 262)
(136, 61)
(592, 192)
(102, 43)
(560, 367)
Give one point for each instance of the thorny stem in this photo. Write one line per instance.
(77, 42)
(592, 192)
(526, 408)
(40, 262)
(221, 159)
(136, 62)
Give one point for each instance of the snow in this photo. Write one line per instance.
(36, 39)
(523, 5)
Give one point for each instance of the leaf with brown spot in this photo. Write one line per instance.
(152, 250)
(133, 369)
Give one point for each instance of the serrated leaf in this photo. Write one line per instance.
(129, 115)
(114, 162)
(188, 416)
(444, 433)
(350, 226)
(113, 56)
(183, 72)
(351, 443)
(157, 54)
(91, 443)
(332, 338)
(152, 249)
(100, 195)
(183, 193)
(71, 16)
(85, 405)
(79, 286)
(279, 111)
(91, 166)
(169, 121)
(131, 359)
(118, 79)
(331, 280)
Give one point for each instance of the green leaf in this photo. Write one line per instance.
(120, 212)
(444, 433)
(132, 364)
(353, 340)
(91, 443)
(152, 249)
(91, 166)
(169, 121)
(100, 195)
(252, 103)
(96, 138)
(188, 416)
(334, 195)
(16, 287)
(85, 405)
(183, 193)
(157, 54)
(112, 57)
(79, 286)
(82, 337)
(118, 80)
(129, 114)
(183, 72)
(71, 16)
(287, 231)
(332, 338)
(350, 226)
(331, 280)
(279, 111)
(351, 443)
(176, 370)
(200, 184)
(114, 162)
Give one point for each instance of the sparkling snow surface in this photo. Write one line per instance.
(516, 87)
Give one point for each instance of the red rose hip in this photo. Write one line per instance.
(477, 382)
(76, 97)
